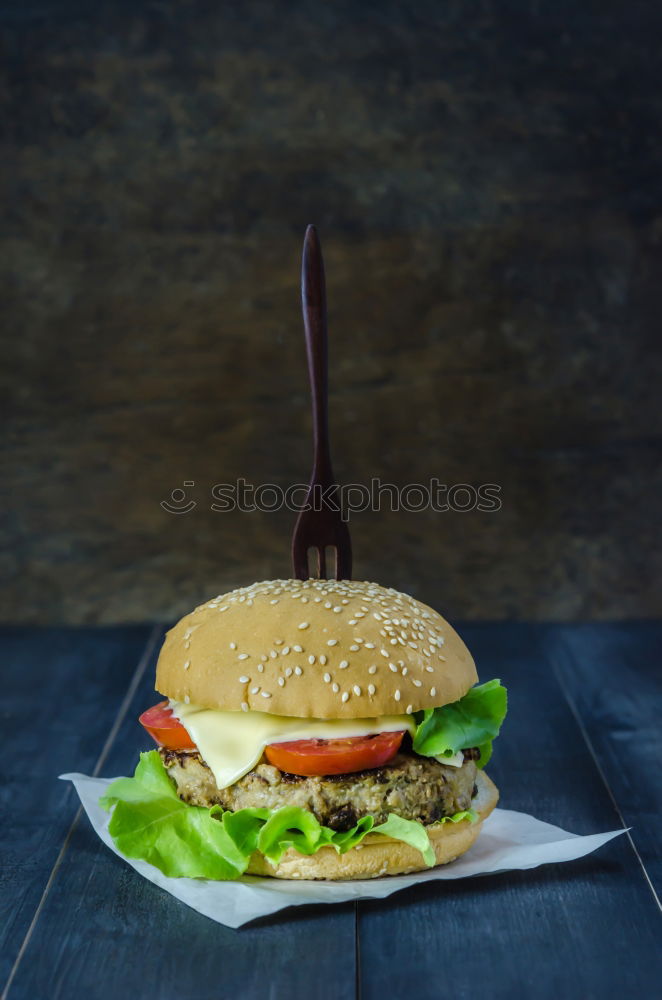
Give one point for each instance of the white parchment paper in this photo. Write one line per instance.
(509, 840)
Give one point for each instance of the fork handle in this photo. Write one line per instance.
(313, 303)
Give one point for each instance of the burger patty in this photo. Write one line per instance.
(416, 788)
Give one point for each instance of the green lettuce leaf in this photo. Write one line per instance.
(469, 814)
(291, 826)
(411, 832)
(473, 721)
(150, 822)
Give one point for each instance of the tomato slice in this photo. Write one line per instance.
(342, 756)
(165, 729)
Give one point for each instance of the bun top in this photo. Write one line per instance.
(324, 649)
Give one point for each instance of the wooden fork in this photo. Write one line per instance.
(320, 525)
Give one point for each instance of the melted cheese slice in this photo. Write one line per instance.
(232, 743)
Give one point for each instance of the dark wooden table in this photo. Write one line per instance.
(581, 748)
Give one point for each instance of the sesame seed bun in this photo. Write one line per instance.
(378, 855)
(322, 649)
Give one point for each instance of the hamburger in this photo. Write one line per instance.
(315, 729)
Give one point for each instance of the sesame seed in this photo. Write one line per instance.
(285, 650)
(405, 671)
(369, 645)
(288, 671)
(357, 689)
(337, 609)
(332, 642)
(433, 691)
(298, 671)
(393, 668)
(409, 709)
(255, 689)
(430, 670)
(243, 656)
(263, 657)
(281, 682)
(384, 652)
(278, 642)
(394, 642)
(372, 669)
(187, 645)
(343, 664)
(273, 654)
(344, 601)
(327, 678)
(304, 600)
(233, 645)
(266, 694)
(187, 665)
(275, 601)
(243, 679)
(397, 695)
(371, 689)
(416, 683)
(244, 706)
(297, 649)
(352, 621)
(354, 648)
(311, 659)
(335, 688)
(260, 668)
(327, 604)
(187, 700)
(323, 660)
(303, 625)
(345, 696)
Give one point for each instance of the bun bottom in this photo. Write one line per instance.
(377, 855)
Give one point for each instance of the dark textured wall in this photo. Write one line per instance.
(486, 179)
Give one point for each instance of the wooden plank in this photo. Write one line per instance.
(104, 931)
(612, 676)
(586, 929)
(62, 689)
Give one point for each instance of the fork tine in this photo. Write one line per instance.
(300, 554)
(344, 556)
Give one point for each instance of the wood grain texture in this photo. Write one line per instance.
(124, 936)
(613, 678)
(487, 188)
(61, 692)
(585, 929)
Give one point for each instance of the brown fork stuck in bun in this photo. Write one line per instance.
(320, 525)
